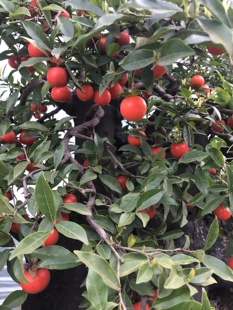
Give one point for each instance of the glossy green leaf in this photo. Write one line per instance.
(4, 238)
(85, 5)
(12, 100)
(87, 177)
(219, 267)
(44, 198)
(5, 207)
(206, 305)
(17, 171)
(78, 208)
(101, 267)
(61, 262)
(30, 243)
(126, 219)
(213, 234)
(175, 297)
(15, 299)
(52, 251)
(173, 50)
(202, 275)
(183, 259)
(149, 198)
(58, 155)
(37, 34)
(97, 290)
(105, 223)
(217, 9)
(30, 125)
(145, 274)
(3, 258)
(129, 201)
(175, 279)
(212, 205)
(111, 183)
(187, 305)
(138, 59)
(157, 6)
(72, 230)
(201, 181)
(193, 156)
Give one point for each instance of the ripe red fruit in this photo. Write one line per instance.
(136, 141)
(36, 283)
(58, 77)
(65, 217)
(43, 108)
(15, 226)
(103, 42)
(151, 212)
(69, 198)
(52, 238)
(159, 71)
(31, 167)
(230, 121)
(55, 60)
(36, 52)
(124, 80)
(21, 156)
(86, 163)
(138, 306)
(124, 38)
(213, 171)
(26, 140)
(37, 116)
(230, 262)
(65, 14)
(187, 205)
(133, 108)
(8, 138)
(206, 88)
(222, 213)
(103, 99)
(156, 150)
(61, 94)
(179, 149)
(34, 4)
(34, 107)
(13, 61)
(9, 195)
(88, 93)
(219, 125)
(122, 179)
(197, 81)
(216, 51)
(115, 91)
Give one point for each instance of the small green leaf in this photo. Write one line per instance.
(87, 177)
(126, 219)
(149, 198)
(30, 125)
(15, 299)
(213, 234)
(138, 59)
(111, 183)
(193, 156)
(72, 230)
(101, 266)
(3, 258)
(12, 100)
(201, 181)
(206, 305)
(212, 205)
(145, 274)
(61, 262)
(175, 297)
(219, 267)
(78, 208)
(58, 155)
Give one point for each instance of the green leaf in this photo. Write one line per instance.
(15, 299)
(5, 207)
(12, 100)
(126, 219)
(97, 290)
(206, 305)
(129, 201)
(78, 208)
(61, 262)
(4, 238)
(131, 263)
(157, 6)
(72, 230)
(3, 258)
(213, 234)
(58, 155)
(201, 181)
(229, 178)
(173, 50)
(174, 280)
(85, 5)
(37, 34)
(218, 32)
(187, 305)
(219, 267)
(149, 198)
(30, 243)
(101, 266)
(45, 199)
(87, 177)
(51, 252)
(145, 274)
(30, 125)
(138, 59)
(212, 205)
(20, 11)
(62, 122)
(193, 156)
(17, 171)
(218, 10)
(202, 275)
(175, 297)
(111, 183)
(8, 6)
(105, 223)
(183, 259)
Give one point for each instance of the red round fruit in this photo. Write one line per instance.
(103, 43)
(197, 81)
(124, 80)
(206, 88)
(230, 121)
(69, 198)
(26, 140)
(187, 205)
(88, 93)
(138, 306)
(230, 262)
(86, 163)
(52, 238)
(103, 99)
(37, 116)
(13, 61)
(43, 108)
(33, 6)
(58, 77)
(222, 213)
(8, 138)
(124, 38)
(36, 283)
(115, 91)
(61, 94)
(65, 14)
(36, 52)
(151, 212)
(9, 195)
(21, 156)
(215, 51)
(219, 125)
(31, 167)
(136, 141)
(15, 226)
(34, 107)
(156, 150)
(55, 60)
(122, 179)
(138, 72)
(213, 171)
(133, 108)
(179, 149)
(159, 71)
(65, 217)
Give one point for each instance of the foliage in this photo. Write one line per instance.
(127, 253)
